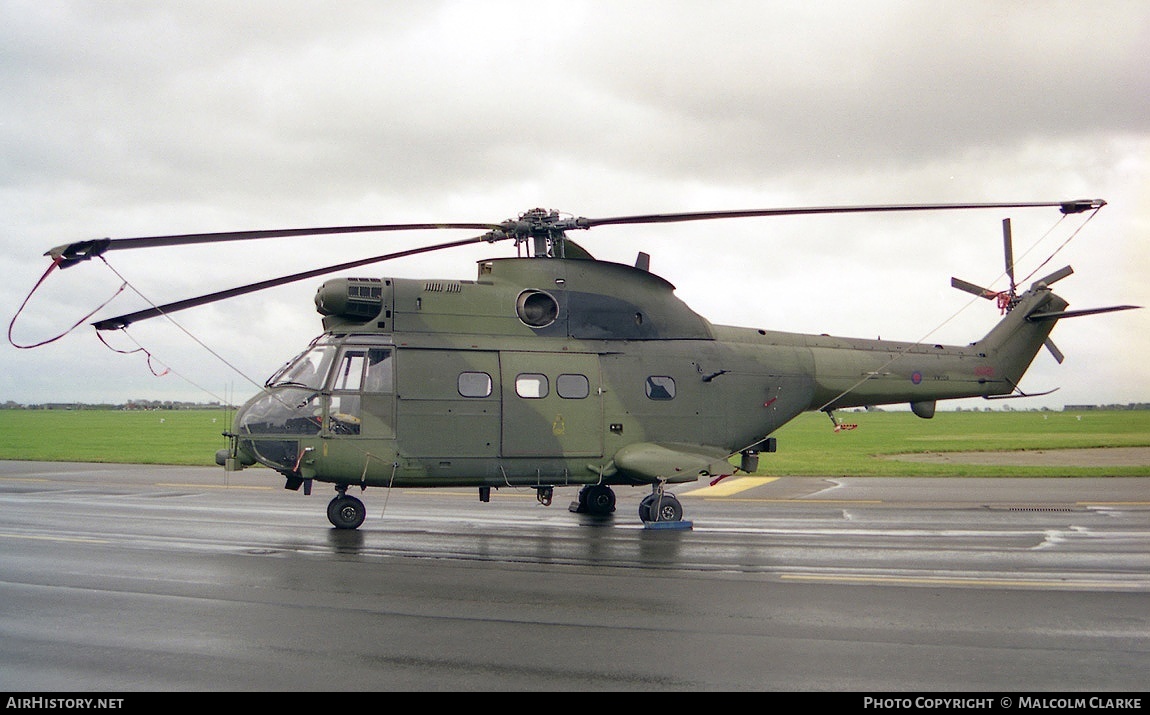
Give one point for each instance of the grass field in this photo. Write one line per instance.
(806, 446)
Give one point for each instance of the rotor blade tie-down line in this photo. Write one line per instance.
(167, 368)
(181, 328)
(139, 349)
(56, 260)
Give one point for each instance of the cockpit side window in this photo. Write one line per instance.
(380, 375)
(367, 369)
(309, 369)
(349, 374)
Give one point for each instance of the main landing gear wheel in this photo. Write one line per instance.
(660, 507)
(596, 499)
(346, 512)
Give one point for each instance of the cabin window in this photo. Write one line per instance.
(572, 387)
(531, 385)
(660, 387)
(474, 384)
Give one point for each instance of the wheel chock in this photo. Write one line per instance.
(668, 525)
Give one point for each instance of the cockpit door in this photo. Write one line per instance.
(362, 393)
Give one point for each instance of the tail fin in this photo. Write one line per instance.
(1013, 343)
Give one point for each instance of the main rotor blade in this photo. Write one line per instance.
(124, 321)
(1067, 207)
(72, 253)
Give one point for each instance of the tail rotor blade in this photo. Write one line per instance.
(972, 288)
(1056, 275)
(1054, 350)
(1008, 252)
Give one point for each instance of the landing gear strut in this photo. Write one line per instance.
(345, 512)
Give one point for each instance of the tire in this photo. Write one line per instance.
(598, 499)
(645, 507)
(346, 512)
(665, 508)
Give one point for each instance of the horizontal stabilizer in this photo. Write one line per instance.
(1076, 313)
(1019, 393)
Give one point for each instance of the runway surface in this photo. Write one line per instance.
(119, 578)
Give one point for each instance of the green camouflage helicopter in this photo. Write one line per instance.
(554, 369)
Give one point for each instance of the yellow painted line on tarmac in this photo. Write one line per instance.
(1113, 503)
(935, 581)
(810, 501)
(729, 486)
(514, 492)
(24, 479)
(212, 486)
(66, 539)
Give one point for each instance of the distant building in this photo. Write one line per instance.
(1087, 408)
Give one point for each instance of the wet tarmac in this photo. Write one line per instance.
(165, 579)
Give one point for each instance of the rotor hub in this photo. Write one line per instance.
(542, 231)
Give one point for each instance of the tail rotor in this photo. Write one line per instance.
(1008, 299)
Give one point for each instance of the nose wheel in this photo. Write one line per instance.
(345, 512)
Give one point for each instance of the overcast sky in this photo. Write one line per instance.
(122, 119)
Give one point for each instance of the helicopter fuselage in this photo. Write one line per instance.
(548, 372)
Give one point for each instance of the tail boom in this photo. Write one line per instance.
(862, 373)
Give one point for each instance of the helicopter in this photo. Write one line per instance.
(553, 369)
